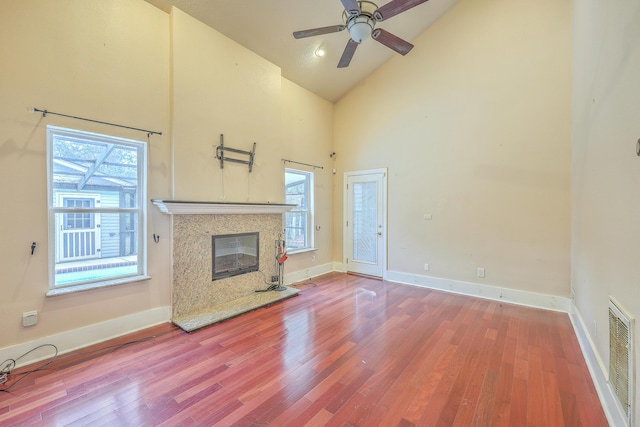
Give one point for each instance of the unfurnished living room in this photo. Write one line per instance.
(319, 212)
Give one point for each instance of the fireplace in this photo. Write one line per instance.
(234, 254)
(197, 301)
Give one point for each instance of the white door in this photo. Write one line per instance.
(78, 233)
(365, 222)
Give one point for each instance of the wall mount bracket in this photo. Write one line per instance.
(220, 154)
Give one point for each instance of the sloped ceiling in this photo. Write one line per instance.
(266, 26)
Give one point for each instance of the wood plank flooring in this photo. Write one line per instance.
(348, 351)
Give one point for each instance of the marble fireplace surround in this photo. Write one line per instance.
(197, 301)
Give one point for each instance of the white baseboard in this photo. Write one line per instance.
(88, 335)
(513, 296)
(308, 273)
(340, 267)
(598, 371)
(530, 299)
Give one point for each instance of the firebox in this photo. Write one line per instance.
(234, 254)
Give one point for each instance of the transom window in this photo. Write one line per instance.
(299, 221)
(97, 190)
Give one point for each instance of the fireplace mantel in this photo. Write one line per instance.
(181, 207)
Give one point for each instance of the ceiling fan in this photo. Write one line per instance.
(360, 18)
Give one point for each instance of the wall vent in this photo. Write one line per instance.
(621, 361)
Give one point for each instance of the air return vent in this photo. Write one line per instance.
(621, 361)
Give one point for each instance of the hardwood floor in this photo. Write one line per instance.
(348, 351)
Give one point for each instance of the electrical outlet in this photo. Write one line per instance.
(29, 318)
(426, 267)
(274, 279)
(480, 272)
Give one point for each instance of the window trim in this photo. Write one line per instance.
(310, 211)
(140, 211)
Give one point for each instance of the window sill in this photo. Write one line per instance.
(90, 286)
(300, 251)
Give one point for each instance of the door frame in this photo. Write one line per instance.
(345, 215)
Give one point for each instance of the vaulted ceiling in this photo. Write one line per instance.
(266, 27)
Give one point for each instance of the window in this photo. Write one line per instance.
(299, 221)
(97, 194)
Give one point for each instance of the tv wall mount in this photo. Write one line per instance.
(221, 155)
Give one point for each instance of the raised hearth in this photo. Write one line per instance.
(193, 321)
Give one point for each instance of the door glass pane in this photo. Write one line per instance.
(365, 222)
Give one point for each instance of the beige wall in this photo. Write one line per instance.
(474, 126)
(222, 88)
(103, 60)
(126, 61)
(307, 137)
(606, 170)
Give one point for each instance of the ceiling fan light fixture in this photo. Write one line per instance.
(360, 28)
(360, 18)
(320, 52)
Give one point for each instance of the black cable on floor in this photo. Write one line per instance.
(9, 364)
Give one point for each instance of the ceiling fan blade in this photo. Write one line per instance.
(318, 31)
(349, 50)
(351, 6)
(391, 41)
(395, 7)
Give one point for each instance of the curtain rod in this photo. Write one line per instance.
(300, 163)
(45, 112)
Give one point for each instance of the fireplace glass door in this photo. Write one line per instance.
(234, 254)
